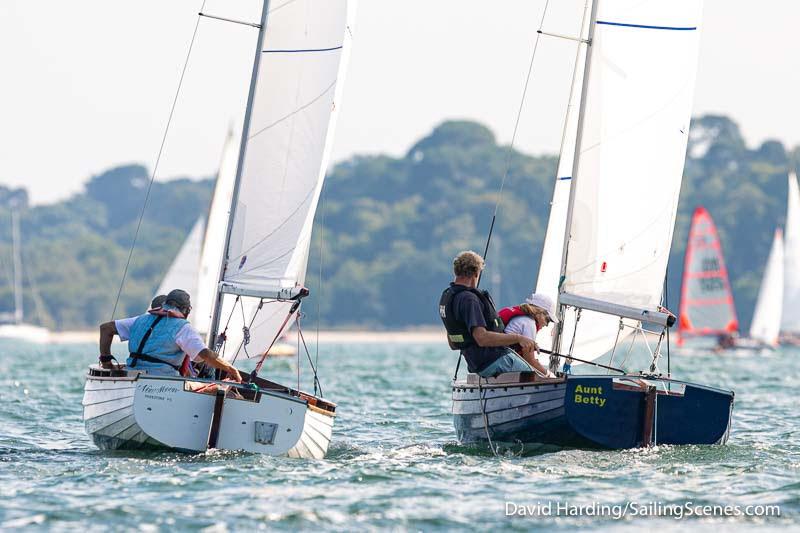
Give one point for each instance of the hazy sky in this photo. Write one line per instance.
(88, 84)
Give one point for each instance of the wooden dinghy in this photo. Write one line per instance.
(607, 246)
(589, 411)
(253, 258)
(129, 410)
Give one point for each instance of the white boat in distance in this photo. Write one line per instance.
(298, 75)
(13, 325)
(790, 318)
(765, 326)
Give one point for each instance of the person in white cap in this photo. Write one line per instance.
(526, 319)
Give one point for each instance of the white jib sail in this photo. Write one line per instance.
(210, 259)
(593, 325)
(293, 114)
(632, 144)
(767, 315)
(790, 320)
(182, 273)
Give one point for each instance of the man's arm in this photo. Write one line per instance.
(212, 359)
(486, 339)
(107, 332)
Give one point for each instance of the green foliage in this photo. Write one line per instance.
(389, 228)
(74, 251)
(392, 226)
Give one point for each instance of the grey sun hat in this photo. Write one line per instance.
(179, 298)
(545, 302)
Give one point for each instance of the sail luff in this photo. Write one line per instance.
(575, 166)
(212, 331)
(552, 248)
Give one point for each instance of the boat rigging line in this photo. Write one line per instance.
(573, 358)
(509, 153)
(158, 160)
(510, 150)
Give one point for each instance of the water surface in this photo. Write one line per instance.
(393, 462)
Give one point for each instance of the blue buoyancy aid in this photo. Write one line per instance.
(160, 345)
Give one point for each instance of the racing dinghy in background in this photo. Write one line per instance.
(621, 164)
(707, 311)
(263, 252)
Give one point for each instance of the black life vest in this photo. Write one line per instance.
(458, 334)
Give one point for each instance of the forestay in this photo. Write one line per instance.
(790, 321)
(767, 315)
(286, 151)
(631, 145)
(706, 298)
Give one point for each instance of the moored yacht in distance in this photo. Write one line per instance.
(12, 325)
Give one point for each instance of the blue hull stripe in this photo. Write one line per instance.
(562, 178)
(302, 50)
(647, 27)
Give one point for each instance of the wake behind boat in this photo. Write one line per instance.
(257, 288)
(621, 166)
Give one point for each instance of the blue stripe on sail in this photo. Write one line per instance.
(562, 178)
(647, 27)
(302, 50)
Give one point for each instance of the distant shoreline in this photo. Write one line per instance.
(415, 336)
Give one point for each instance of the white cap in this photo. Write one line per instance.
(545, 302)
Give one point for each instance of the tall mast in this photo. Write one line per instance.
(575, 176)
(212, 331)
(15, 245)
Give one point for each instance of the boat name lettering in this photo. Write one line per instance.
(154, 392)
(589, 395)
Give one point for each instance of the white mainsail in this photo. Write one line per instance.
(767, 315)
(632, 137)
(790, 320)
(284, 159)
(182, 273)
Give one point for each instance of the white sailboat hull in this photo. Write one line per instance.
(25, 332)
(132, 411)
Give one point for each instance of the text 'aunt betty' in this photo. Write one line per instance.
(589, 395)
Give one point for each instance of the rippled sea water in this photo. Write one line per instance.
(393, 463)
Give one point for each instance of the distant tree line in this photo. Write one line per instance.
(389, 227)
